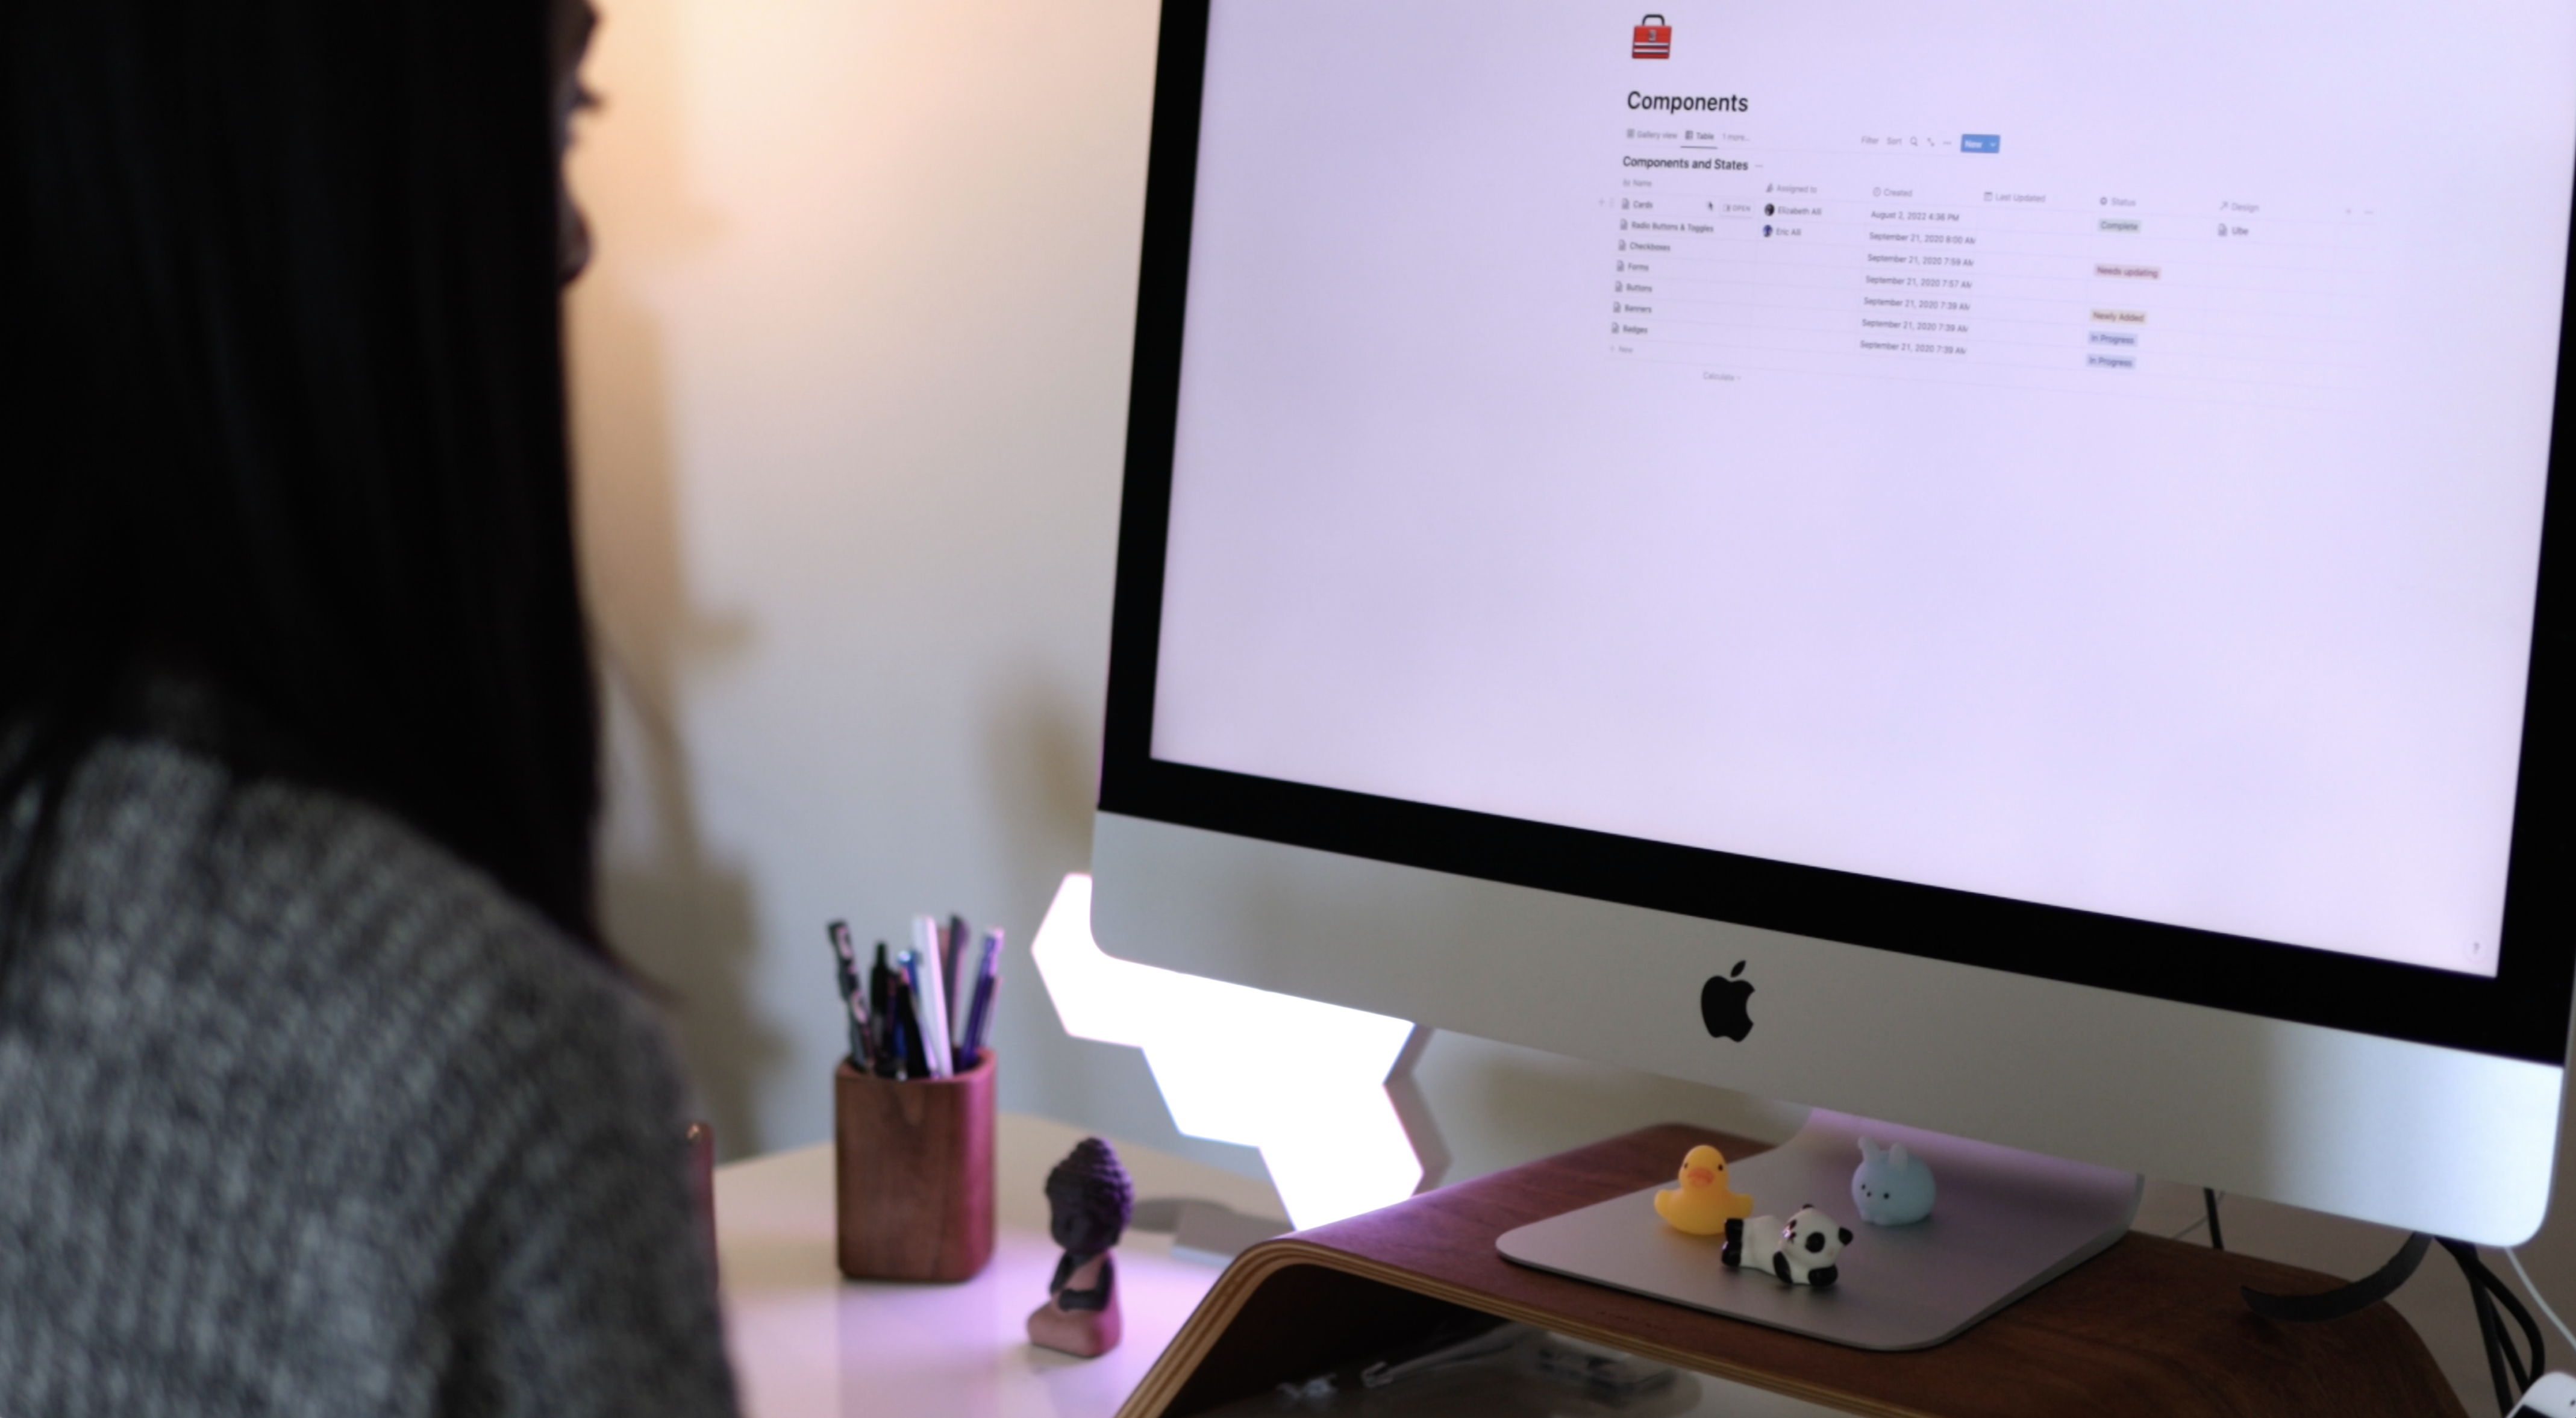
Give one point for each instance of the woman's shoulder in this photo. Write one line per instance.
(292, 929)
(382, 1101)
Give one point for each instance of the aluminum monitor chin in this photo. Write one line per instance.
(2063, 592)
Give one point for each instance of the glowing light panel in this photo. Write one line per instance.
(1304, 1082)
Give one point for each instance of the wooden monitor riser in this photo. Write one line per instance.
(2151, 1327)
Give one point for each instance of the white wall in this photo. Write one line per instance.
(850, 381)
(849, 372)
(850, 378)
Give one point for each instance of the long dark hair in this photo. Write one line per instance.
(280, 278)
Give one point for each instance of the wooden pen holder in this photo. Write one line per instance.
(912, 1168)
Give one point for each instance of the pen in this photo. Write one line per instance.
(921, 1044)
(845, 964)
(881, 983)
(979, 1011)
(908, 1061)
(956, 957)
(930, 996)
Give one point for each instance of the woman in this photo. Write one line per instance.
(319, 1092)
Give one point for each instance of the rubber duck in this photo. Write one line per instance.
(1703, 1205)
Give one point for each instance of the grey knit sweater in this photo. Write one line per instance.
(300, 1115)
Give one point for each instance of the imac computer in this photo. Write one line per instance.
(1986, 566)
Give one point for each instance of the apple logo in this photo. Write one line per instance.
(1723, 1005)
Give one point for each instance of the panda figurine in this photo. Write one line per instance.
(1801, 1252)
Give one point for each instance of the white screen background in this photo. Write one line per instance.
(2167, 648)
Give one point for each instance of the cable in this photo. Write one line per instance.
(2531, 1329)
(2515, 1259)
(2513, 1306)
(2209, 1201)
(2493, 1340)
(2512, 1369)
(2507, 1366)
(2344, 1300)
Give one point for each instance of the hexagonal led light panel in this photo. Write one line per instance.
(1325, 1092)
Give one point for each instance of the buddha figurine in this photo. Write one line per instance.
(1089, 1201)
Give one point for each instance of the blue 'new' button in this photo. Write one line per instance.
(1981, 143)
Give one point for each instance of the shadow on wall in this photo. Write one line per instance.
(684, 922)
(1043, 748)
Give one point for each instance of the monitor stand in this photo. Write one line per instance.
(2005, 1223)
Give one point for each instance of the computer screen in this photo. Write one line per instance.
(2051, 487)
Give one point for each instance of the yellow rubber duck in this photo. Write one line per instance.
(1703, 1205)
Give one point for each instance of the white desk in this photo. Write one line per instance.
(809, 1344)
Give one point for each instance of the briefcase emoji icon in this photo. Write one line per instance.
(1654, 38)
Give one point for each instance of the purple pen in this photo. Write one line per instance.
(979, 1012)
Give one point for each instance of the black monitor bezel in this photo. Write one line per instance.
(2522, 1013)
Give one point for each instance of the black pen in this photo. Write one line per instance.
(913, 1061)
(845, 962)
(956, 954)
(881, 983)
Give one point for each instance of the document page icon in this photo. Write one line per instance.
(1654, 39)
